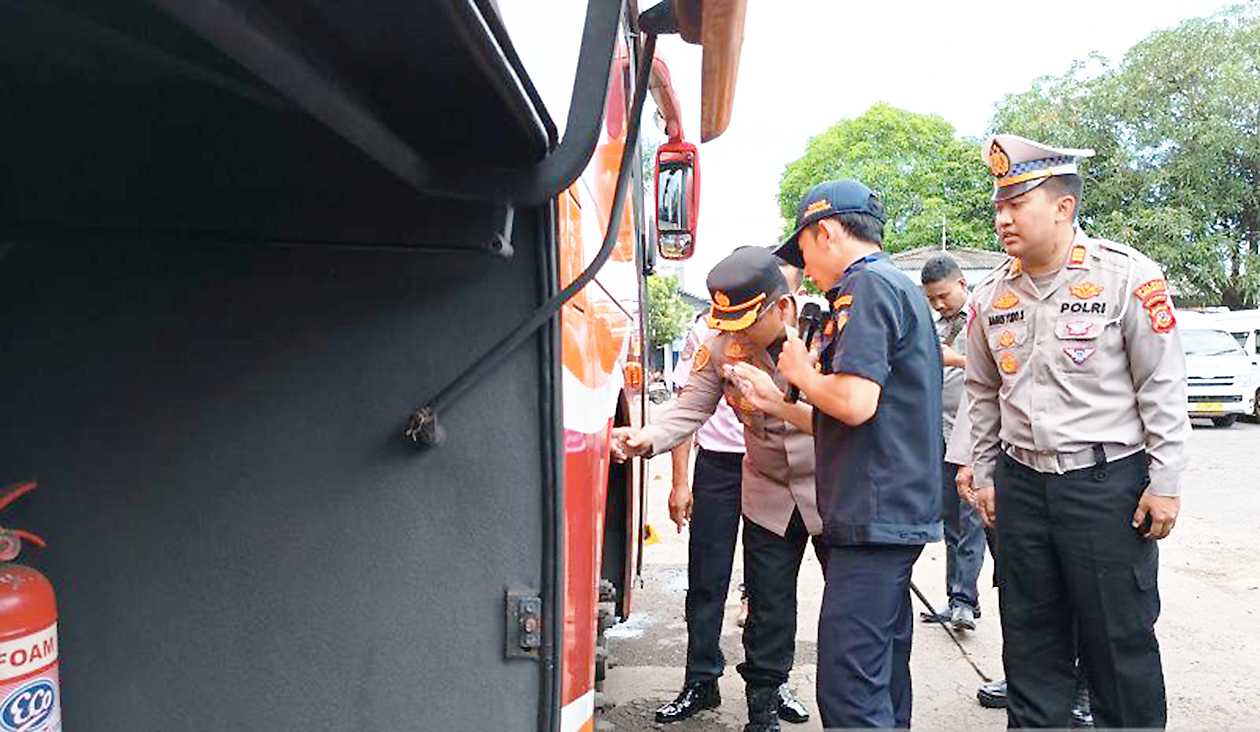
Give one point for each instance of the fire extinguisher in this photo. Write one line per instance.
(30, 695)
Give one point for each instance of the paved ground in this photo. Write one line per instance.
(1209, 629)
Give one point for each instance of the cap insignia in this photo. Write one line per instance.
(820, 205)
(720, 298)
(999, 161)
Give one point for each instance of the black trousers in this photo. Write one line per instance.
(864, 637)
(1071, 561)
(964, 544)
(771, 566)
(715, 511)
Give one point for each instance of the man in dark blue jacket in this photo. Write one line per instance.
(875, 392)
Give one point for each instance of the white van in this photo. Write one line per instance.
(1220, 378)
(1244, 326)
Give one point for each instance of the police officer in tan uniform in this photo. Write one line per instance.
(752, 307)
(1076, 381)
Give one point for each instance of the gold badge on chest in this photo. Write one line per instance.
(1085, 290)
(1006, 339)
(737, 350)
(1006, 300)
(1008, 363)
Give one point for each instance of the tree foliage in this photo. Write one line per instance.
(669, 315)
(1176, 125)
(922, 170)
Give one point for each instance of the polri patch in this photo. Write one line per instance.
(702, 359)
(1147, 291)
(1162, 318)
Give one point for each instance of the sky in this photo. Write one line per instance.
(807, 64)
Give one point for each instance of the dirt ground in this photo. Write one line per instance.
(1209, 629)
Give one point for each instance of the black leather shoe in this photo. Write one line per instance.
(992, 695)
(693, 698)
(763, 709)
(791, 708)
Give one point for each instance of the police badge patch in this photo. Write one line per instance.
(702, 359)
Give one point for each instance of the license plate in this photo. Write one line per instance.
(1207, 407)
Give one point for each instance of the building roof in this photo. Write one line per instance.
(967, 258)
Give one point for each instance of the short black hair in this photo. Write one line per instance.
(938, 268)
(1066, 185)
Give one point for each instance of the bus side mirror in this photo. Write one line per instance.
(677, 199)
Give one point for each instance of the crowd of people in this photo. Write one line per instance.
(1042, 414)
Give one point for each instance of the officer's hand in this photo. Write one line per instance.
(986, 504)
(680, 505)
(628, 442)
(1162, 511)
(795, 362)
(757, 386)
(952, 358)
(963, 483)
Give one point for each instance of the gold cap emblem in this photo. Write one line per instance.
(720, 298)
(999, 161)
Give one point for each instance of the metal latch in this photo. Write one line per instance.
(523, 637)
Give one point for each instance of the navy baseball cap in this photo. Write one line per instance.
(831, 198)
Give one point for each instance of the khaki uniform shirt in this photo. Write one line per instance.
(779, 459)
(1093, 359)
(952, 332)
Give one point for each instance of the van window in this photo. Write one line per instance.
(1257, 341)
(1241, 337)
(1209, 343)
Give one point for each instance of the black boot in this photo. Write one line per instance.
(763, 709)
(693, 698)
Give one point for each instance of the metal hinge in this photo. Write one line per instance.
(523, 636)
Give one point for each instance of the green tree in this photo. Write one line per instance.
(1176, 125)
(926, 175)
(669, 315)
